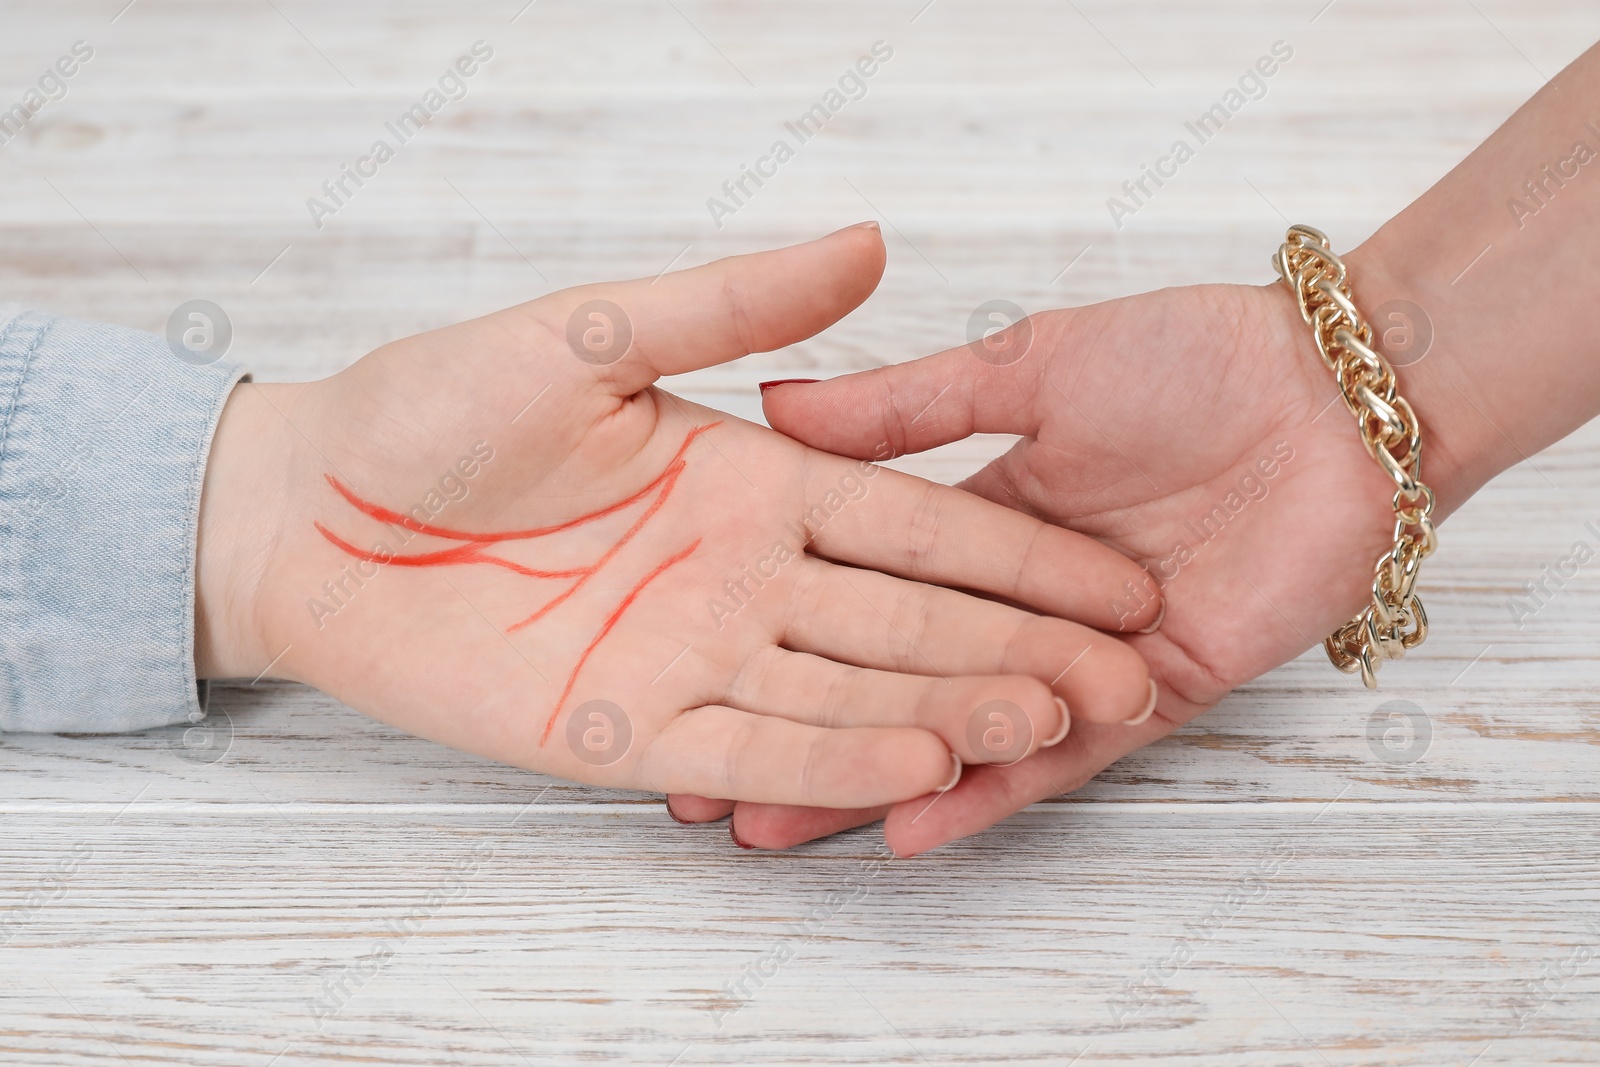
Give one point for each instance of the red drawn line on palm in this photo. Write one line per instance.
(605, 628)
(383, 514)
(472, 552)
(469, 553)
(671, 480)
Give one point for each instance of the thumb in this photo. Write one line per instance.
(911, 407)
(634, 332)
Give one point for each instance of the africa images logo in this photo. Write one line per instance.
(1252, 85)
(852, 85)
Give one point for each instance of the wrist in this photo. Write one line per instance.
(241, 502)
(1498, 256)
(1424, 335)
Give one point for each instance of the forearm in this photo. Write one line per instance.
(1503, 256)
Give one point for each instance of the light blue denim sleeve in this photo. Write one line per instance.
(104, 434)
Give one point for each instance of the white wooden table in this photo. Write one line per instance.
(1266, 887)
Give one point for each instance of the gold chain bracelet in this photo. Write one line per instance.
(1394, 621)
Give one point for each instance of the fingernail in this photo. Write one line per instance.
(1161, 614)
(954, 778)
(735, 835)
(870, 224)
(674, 816)
(1049, 742)
(789, 381)
(1149, 708)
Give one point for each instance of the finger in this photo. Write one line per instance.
(914, 406)
(634, 332)
(986, 795)
(777, 826)
(893, 522)
(722, 752)
(886, 623)
(688, 808)
(982, 720)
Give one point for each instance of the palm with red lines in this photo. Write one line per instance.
(499, 537)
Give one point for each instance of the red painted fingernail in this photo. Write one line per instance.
(674, 815)
(735, 835)
(789, 381)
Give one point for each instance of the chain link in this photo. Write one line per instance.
(1393, 621)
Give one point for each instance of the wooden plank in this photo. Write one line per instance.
(992, 162)
(636, 46)
(1285, 933)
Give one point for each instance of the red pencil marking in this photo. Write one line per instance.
(473, 551)
(383, 514)
(470, 553)
(605, 628)
(666, 491)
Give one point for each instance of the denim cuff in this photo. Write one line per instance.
(104, 434)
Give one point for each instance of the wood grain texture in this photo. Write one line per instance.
(1345, 932)
(1264, 887)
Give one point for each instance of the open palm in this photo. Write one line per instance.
(502, 536)
(1196, 431)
